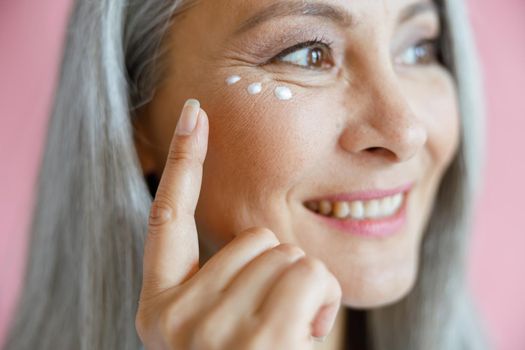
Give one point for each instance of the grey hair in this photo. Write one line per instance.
(84, 269)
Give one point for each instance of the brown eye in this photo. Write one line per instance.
(314, 57)
(425, 52)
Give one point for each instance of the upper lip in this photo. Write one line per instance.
(364, 195)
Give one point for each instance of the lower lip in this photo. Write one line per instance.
(383, 227)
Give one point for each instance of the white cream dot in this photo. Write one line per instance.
(254, 88)
(232, 79)
(283, 93)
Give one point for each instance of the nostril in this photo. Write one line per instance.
(379, 150)
(382, 152)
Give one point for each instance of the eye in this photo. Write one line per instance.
(312, 55)
(424, 52)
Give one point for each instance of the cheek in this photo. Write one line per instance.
(437, 105)
(260, 147)
(261, 140)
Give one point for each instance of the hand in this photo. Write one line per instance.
(255, 293)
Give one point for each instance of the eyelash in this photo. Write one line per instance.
(321, 42)
(317, 42)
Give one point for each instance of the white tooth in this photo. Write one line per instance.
(372, 209)
(325, 207)
(386, 206)
(396, 200)
(312, 205)
(341, 209)
(357, 210)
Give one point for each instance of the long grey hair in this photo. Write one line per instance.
(84, 270)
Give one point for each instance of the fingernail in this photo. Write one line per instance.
(188, 118)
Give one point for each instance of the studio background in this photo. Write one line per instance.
(31, 34)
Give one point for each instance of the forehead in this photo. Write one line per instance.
(248, 13)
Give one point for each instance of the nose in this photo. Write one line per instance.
(385, 127)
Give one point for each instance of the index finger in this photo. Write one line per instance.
(171, 252)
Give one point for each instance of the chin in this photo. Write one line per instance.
(374, 294)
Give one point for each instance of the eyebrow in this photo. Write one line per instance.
(333, 13)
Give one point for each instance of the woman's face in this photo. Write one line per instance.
(372, 109)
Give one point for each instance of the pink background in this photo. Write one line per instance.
(30, 40)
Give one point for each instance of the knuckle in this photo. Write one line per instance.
(311, 266)
(261, 234)
(335, 285)
(289, 250)
(161, 212)
(338, 289)
(182, 152)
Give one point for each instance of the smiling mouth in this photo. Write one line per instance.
(372, 205)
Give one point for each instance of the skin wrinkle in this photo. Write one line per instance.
(290, 8)
(366, 124)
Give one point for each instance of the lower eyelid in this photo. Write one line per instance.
(302, 81)
(300, 73)
(304, 68)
